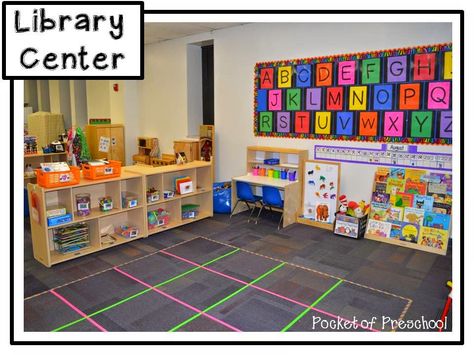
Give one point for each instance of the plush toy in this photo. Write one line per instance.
(358, 210)
(343, 206)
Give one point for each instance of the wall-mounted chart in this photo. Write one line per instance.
(320, 193)
(399, 95)
(388, 155)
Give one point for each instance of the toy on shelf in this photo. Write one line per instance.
(343, 206)
(358, 210)
(152, 195)
(129, 200)
(166, 159)
(83, 204)
(158, 218)
(30, 145)
(147, 148)
(106, 204)
(127, 231)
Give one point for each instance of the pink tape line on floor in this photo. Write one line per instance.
(269, 292)
(78, 311)
(177, 300)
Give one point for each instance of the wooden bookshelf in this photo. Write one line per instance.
(134, 179)
(36, 159)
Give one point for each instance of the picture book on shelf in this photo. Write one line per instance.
(395, 185)
(414, 175)
(382, 174)
(380, 197)
(410, 232)
(396, 231)
(379, 229)
(380, 186)
(437, 220)
(398, 173)
(395, 214)
(443, 208)
(424, 202)
(377, 213)
(434, 238)
(414, 215)
(403, 200)
(415, 188)
(434, 188)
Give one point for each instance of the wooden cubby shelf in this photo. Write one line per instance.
(133, 180)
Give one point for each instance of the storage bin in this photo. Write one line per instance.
(83, 204)
(107, 171)
(57, 220)
(222, 196)
(129, 200)
(58, 178)
(189, 211)
(272, 161)
(348, 226)
(106, 204)
(158, 218)
(152, 196)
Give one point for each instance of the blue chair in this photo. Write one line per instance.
(271, 198)
(245, 194)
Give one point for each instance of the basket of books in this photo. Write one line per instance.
(101, 169)
(57, 175)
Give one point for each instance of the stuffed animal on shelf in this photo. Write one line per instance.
(358, 210)
(343, 206)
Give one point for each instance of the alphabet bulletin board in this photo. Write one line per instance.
(398, 95)
(320, 193)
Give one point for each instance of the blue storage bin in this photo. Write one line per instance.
(56, 220)
(222, 196)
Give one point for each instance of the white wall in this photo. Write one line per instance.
(98, 99)
(163, 93)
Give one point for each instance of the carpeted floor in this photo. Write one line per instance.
(227, 275)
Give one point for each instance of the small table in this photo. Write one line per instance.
(291, 191)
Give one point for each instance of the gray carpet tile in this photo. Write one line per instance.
(204, 324)
(47, 312)
(255, 311)
(149, 312)
(100, 291)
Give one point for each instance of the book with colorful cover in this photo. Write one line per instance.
(443, 208)
(424, 202)
(396, 230)
(434, 238)
(403, 200)
(382, 174)
(380, 186)
(431, 178)
(414, 175)
(410, 232)
(380, 197)
(434, 188)
(398, 173)
(414, 215)
(437, 220)
(415, 188)
(379, 229)
(395, 185)
(377, 213)
(438, 198)
(395, 214)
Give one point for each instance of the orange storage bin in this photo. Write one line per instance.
(102, 171)
(58, 178)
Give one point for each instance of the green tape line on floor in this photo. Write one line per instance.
(118, 303)
(226, 298)
(301, 315)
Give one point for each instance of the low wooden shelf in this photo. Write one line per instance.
(134, 179)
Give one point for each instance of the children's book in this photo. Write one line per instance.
(424, 202)
(428, 178)
(403, 200)
(434, 188)
(437, 220)
(382, 174)
(414, 215)
(438, 198)
(416, 188)
(396, 230)
(395, 214)
(379, 214)
(380, 186)
(410, 232)
(385, 206)
(398, 173)
(414, 175)
(434, 238)
(443, 208)
(395, 185)
(380, 197)
(379, 229)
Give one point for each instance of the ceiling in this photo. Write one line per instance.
(163, 31)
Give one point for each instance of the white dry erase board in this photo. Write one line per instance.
(320, 193)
